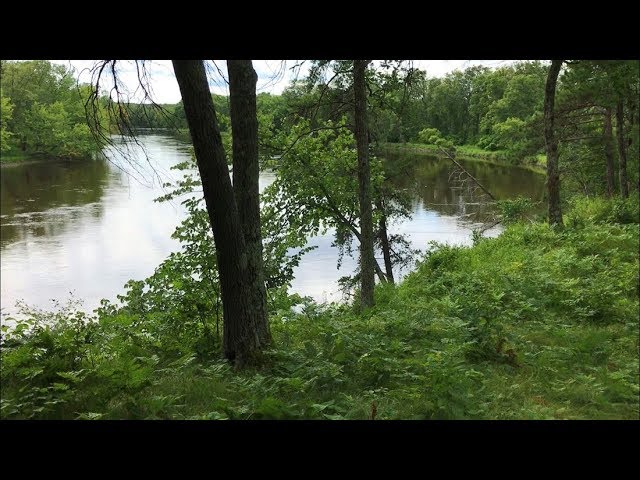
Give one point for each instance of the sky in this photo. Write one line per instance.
(273, 75)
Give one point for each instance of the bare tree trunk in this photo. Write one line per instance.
(551, 142)
(632, 122)
(622, 150)
(240, 338)
(246, 172)
(608, 151)
(367, 259)
(384, 241)
(401, 138)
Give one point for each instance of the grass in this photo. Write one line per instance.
(535, 324)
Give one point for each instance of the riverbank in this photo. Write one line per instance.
(12, 158)
(15, 159)
(534, 324)
(465, 152)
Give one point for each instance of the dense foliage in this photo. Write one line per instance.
(43, 112)
(533, 324)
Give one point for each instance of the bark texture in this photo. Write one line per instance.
(240, 338)
(551, 142)
(246, 172)
(367, 260)
(384, 241)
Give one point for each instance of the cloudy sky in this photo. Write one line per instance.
(273, 75)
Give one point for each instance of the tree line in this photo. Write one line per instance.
(42, 111)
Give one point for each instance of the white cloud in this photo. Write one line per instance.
(273, 75)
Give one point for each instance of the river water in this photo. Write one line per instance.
(84, 228)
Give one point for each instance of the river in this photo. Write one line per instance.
(87, 227)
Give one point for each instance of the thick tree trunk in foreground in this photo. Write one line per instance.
(367, 259)
(384, 241)
(240, 340)
(246, 172)
(608, 152)
(622, 150)
(551, 142)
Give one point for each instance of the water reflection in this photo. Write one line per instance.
(44, 199)
(88, 227)
(446, 207)
(440, 186)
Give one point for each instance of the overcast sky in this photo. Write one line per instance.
(273, 75)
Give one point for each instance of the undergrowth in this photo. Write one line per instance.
(534, 324)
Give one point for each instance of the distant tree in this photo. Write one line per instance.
(622, 149)
(6, 109)
(48, 115)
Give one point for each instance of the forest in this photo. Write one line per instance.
(43, 112)
(538, 322)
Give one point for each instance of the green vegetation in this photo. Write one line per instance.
(534, 324)
(496, 114)
(541, 322)
(42, 113)
(467, 152)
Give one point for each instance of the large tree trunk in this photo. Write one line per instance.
(384, 241)
(622, 150)
(367, 259)
(246, 172)
(551, 142)
(608, 152)
(240, 339)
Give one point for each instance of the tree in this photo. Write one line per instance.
(367, 259)
(6, 108)
(553, 178)
(622, 149)
(241, 340)
(48, 115)
(592, 91)
(316, 188)
(246, 172)
(326, 94)
(383, 239)
(608, 152)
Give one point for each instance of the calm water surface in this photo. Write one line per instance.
(89, 227)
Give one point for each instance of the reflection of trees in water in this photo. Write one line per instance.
(45, 199)
(439, 186)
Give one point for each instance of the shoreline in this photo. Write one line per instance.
(412, 148)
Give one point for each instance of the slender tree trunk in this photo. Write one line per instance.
(246, 173)
(551, 142)
(367, 259)
(384, 241)
(608, 151)
(401, 138)
(240, 337)
(622, 150)
(632, 122)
